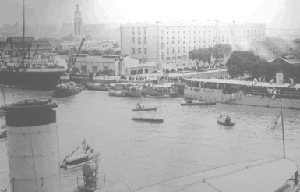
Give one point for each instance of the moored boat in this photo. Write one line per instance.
(166, 90)
(97, 86)
(42, 75)
(191, 103)
(238, 92)
(154, 120)
(67, 88)
(125, 90)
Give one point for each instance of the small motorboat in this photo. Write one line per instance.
(3, 132)
(190, 103)
(225, 120)
(145, 109)
(73, 161)
(139, 107)
(154, 120)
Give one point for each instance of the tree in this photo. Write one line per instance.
(242, 61)
(109, 52)
(118, 52)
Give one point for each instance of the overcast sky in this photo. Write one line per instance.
(275, 13)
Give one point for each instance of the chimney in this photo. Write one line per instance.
(32, 141)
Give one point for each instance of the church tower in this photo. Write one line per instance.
(77, 22)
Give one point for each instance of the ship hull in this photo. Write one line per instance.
(38, 80)
(239, 99)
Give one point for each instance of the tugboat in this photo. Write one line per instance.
(66, 88)
(225, 120)
(87, 155)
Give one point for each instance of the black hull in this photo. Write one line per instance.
(148, 120)
(60, 93)
(145, 109)
(44, 81)
(197, 104)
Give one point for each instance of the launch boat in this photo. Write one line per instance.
(154, 120)
(74, 161)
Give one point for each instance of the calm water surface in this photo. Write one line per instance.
(142, 154)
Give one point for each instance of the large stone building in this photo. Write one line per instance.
(171, 42)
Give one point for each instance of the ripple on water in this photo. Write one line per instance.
(140, 154)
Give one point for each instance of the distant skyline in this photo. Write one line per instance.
(274, 13)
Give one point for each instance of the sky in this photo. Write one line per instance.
(274, 13)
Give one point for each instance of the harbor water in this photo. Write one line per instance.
(142, 154)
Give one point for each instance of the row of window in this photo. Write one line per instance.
(243, 31)
(138, 30)
(183, 57)
(139, 40)
(139, 50)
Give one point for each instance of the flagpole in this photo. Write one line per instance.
(282, 134)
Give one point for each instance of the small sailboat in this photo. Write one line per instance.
(75, 160)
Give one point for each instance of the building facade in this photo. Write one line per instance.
(171, 42)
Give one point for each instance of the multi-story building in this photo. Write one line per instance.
(171, 42)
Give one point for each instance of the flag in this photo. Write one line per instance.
(275, 124)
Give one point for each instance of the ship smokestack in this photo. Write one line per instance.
(32, 146)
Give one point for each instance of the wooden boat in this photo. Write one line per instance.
(73, 161)
(144, 109)
(96, 86)
(148, 119)
(225, 120)
(198, 103)
(67, 88)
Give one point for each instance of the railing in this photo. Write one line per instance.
(98, 183)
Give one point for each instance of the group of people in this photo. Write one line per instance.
(138, 106)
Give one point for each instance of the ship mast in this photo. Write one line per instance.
(23, 33)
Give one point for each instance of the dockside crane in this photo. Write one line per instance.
(73, 61)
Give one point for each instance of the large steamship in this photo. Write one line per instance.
(254, 93)
(42, 74)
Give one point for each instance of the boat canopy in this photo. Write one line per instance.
(256, 176)
(245, 83)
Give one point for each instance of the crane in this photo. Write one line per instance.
(80, 46)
